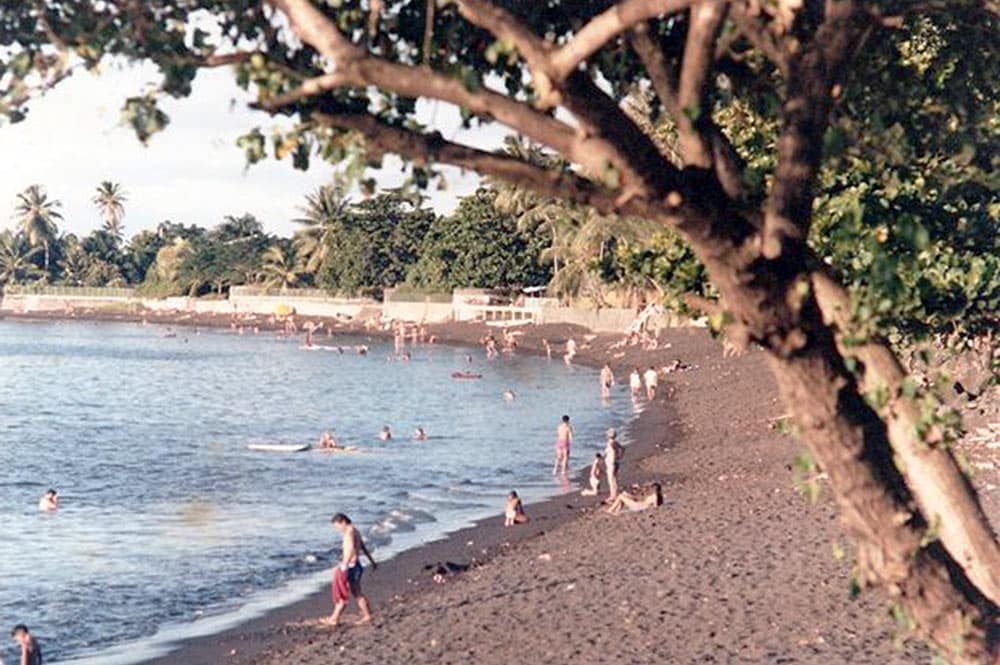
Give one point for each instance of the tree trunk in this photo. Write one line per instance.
(772, 300)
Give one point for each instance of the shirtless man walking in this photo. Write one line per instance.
(347, 575)
(564, 437)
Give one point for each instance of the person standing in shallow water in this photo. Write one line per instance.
(613, 452)
(31, 653)
(607, 380)
(564, 437)
(347, 575)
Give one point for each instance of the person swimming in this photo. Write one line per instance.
(386, 433)
(419, 434)
(509, 395)
(327, 442)
(49, 503)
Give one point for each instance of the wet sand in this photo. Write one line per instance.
(736, 567)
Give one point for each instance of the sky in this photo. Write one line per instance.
(192, 172)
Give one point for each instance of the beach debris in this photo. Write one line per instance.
(570, 586)
(442, 569)
(545, 557)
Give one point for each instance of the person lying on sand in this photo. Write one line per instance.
(514, 512)
(636, 502)
(347, 575)
(595, 475)
(49, 503)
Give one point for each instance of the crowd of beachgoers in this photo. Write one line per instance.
(602, 478)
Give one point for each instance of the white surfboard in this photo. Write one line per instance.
(279, 447)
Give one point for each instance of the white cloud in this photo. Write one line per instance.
(192, 172)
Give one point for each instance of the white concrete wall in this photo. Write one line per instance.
(417, 312)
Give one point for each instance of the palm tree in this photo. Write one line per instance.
(74, 264)
(580, 235)
(280, 268)
(37, 215)
(110, 201)
(321, 217)
(16, 258)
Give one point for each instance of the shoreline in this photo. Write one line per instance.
(405, 572)
(735, 568)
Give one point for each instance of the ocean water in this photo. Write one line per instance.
(170, 526)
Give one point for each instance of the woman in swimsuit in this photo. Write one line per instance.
(514, 513)
(636, 503)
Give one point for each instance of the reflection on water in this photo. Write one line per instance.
(167, 518)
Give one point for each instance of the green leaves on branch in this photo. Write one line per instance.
(144, 116)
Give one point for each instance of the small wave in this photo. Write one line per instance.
(400, 520)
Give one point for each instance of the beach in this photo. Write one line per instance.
(736, 567)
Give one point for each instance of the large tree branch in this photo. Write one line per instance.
(608, 25)
(353, 67)
(727, 162)
(812, 79)
(421, 147)
(644, 170)
(753, 28)
(692, 95)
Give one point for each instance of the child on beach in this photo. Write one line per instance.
(595, 475)
(31, 653)
(514, 512)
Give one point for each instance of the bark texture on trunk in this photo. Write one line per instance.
(774, 303)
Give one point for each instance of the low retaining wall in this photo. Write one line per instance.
(26, 303)
(606, 320)
(423, 312)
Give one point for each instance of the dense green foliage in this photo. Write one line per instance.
(906, 210)
(356, 248)
(479, 246)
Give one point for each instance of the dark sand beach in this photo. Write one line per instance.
(736, 567)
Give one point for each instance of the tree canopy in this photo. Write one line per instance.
(794, 145)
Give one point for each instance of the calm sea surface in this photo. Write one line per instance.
(170, 526)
